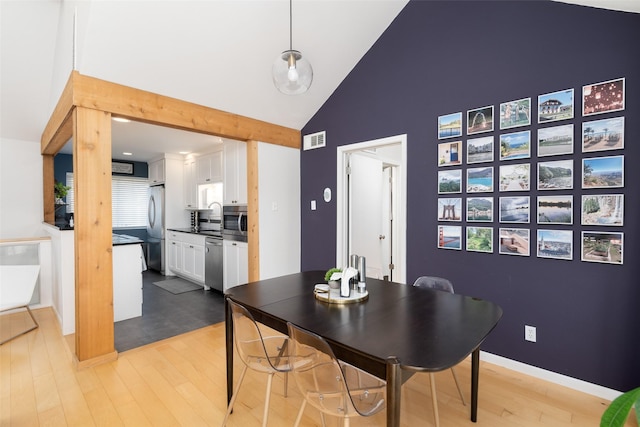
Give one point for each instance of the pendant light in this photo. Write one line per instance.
(292, 74)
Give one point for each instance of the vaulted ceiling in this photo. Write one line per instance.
(216, 53)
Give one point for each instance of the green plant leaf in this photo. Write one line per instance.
(617, 413)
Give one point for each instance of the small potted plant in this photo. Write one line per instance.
(333, 284)
(60, 190)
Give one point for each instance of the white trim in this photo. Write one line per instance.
(341, 214)
(543, 374)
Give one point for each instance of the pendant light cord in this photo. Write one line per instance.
(290, 25)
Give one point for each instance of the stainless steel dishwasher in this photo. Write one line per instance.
(213, 263)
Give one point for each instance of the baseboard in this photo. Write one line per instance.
(543, 374)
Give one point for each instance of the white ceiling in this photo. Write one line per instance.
(216, 53)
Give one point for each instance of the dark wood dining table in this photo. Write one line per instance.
(396, 331)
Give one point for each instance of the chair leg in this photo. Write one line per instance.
(28, 330)
(434, 399)
(265, 413)
(286, 384)
(235, 394)
(455, 378)
(304, 403)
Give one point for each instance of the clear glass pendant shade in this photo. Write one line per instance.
(292, 74)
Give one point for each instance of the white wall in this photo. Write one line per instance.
(21, 212)
(279, 205)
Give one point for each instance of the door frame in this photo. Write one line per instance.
(399, 251)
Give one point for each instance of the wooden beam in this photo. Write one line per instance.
(162, 110)
(60, 126)
(253, 220)
(48, 196)
(93, 234)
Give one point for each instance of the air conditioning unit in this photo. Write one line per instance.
(314, 140)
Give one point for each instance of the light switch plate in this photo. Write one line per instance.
(313, 205)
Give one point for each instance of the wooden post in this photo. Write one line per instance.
(253, 224)
(93, 239)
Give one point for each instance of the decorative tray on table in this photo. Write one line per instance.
(322, 292)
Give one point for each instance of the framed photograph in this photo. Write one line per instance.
(480, 120)
(515, 113)
(480, 209)
(555, 140)
(450, 209)
(603, 172)
(480, 180)
(480, 239)
(515, 145)
(555, 106)
(450, 181)
(450, 153)
(450, 237)
(480, 150)
(604, 97)
(603, 209)
(556, 175)
(601, 135)
(122, 167)
(556, 244)
(514, 209)
(515, 177)
(514, 241)
(555, 210)
(602, 247)
(450, 125)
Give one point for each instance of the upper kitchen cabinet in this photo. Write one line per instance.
(190, 184)
(235, 172)
(156, 172)
(209, 168)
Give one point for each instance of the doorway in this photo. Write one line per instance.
(371, 206)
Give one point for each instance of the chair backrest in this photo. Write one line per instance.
(434, 282)
(331, 386)
(258, 352)
(17, 283)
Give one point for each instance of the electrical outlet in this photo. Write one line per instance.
(530, 333)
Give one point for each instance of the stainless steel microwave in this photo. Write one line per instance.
(234, 222)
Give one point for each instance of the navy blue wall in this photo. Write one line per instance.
(442, 57)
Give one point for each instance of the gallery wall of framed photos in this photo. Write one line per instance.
(508, 187)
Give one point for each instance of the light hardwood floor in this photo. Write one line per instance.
(181, 382)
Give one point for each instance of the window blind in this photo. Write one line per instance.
(128, 201)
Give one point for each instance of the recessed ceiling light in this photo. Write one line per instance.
(120, 119)
(126, 153)
(183, 152)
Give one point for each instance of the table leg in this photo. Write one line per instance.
(475, 370)
(394, 387)
(228, 325)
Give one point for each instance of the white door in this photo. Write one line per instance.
(366, 229)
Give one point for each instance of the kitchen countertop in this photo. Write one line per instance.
(194, 231)
(123, 239)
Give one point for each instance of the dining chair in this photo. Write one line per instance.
(266, 354)
(332, 386)
(17, 283)
(445, 285)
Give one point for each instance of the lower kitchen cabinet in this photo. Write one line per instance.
(236, 263)
(185, 257)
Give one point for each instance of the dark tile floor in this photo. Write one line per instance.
(165, 315)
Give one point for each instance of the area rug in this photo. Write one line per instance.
(177, 286)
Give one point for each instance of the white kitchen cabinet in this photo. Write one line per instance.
(190, 184)
(236, 264)
(127, 282)
(235, 172)
(156, 172)
(209, 168)
(193, 261)
(186, 255)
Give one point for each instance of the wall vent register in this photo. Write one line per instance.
(314, 140)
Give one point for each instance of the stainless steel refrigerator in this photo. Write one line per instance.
(155, 229)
